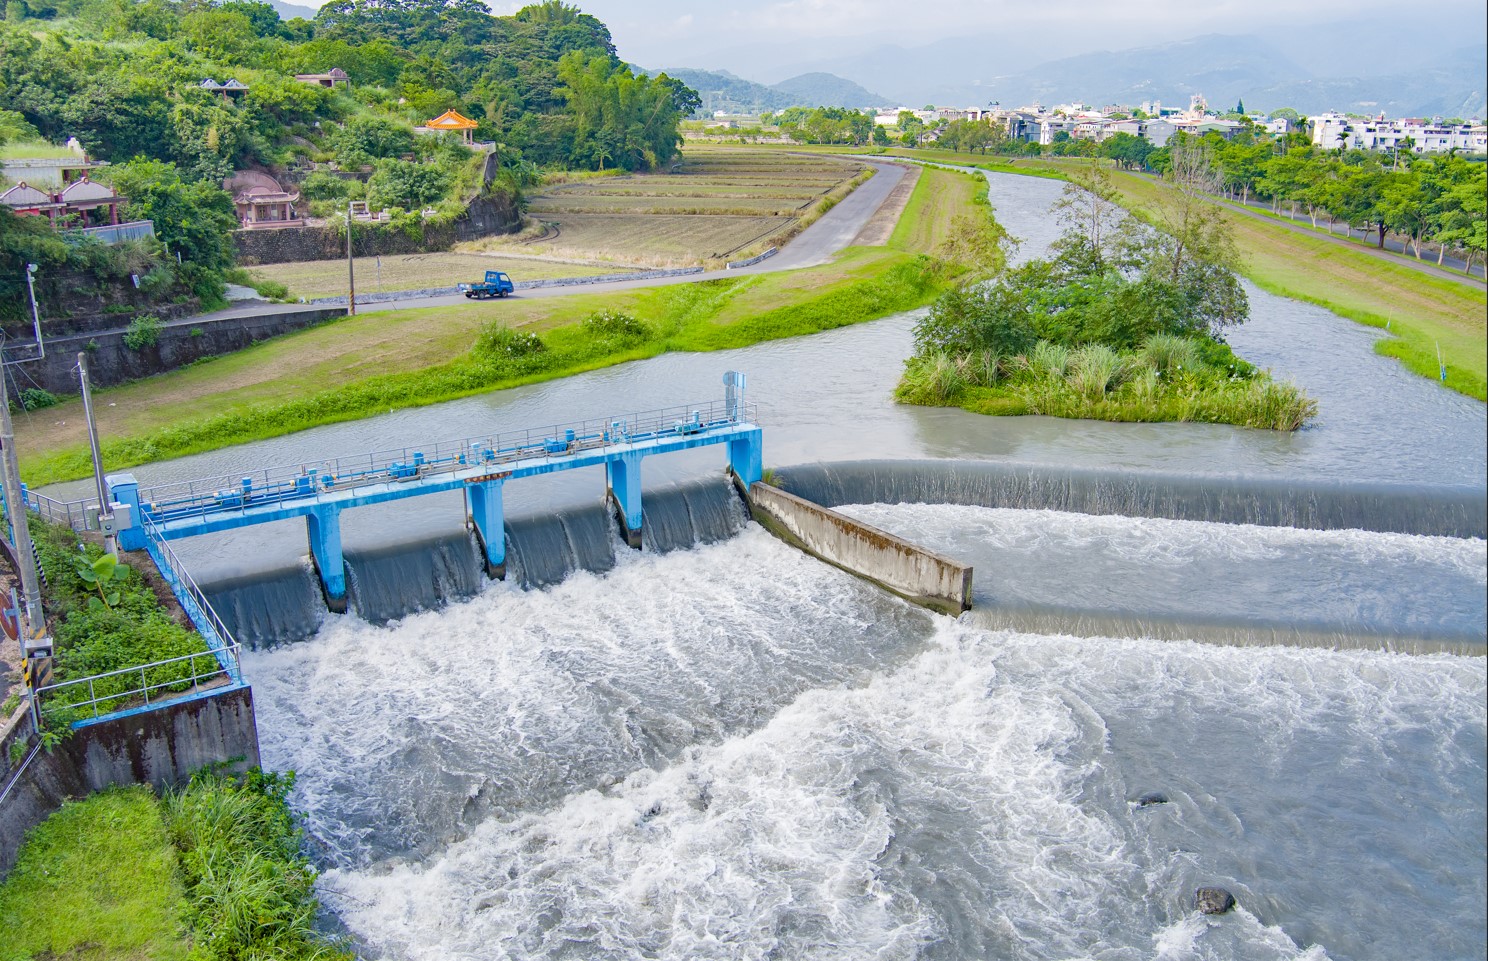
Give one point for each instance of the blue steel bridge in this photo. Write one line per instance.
(478, 466)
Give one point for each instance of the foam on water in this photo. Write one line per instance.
(1217, 578)
(735, 752)
(973, 803)
(409, 733)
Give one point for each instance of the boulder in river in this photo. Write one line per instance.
(1213, 900)
(1152, 797)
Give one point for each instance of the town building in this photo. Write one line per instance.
(1331, 131)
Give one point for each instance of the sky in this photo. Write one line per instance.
(757, 38)
(770, 40)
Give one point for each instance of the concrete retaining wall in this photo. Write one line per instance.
(111, 362)
(750, 262)
(918, 575)
(486, 216)
(161, 748)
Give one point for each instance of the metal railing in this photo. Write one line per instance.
(110, 693)
(203, 666)
(71, 513)
(231, 492)
(193, 599)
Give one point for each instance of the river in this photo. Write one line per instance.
(727, 750)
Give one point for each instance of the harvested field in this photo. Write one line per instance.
(660, 239)
(717, 203)
(327, 278)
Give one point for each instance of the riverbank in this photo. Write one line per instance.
(1420, 311)
(339, 371)
(213, 871)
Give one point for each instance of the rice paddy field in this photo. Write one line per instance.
(716, 204)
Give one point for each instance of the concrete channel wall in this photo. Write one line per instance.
(161, 748)
(906, 569)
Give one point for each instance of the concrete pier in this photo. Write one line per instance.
(323, 524)
(914, 573)
(488, 518)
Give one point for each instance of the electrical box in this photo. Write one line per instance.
(123, 517)
(90, 517)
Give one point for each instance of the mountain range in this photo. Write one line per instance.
(721, 90)
(1365, 66)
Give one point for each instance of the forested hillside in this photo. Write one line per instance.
(179, 95)
(122, 76)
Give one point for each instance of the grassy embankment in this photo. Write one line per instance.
(338, 371)
(1420, 310)
(93, 637)
(212, 872)
(327, 278)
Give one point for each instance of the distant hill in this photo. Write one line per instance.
(826, 90)
(1227, 69)
(288, 11)
(721, 90)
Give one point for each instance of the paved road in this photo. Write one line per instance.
(815, 245)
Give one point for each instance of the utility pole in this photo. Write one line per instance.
(30, 620)
(350, 272)
(110, 543)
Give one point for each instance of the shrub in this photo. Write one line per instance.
(499, 342)
(1094, 369)
(144, 331)
(34, 398)
(613, 330)
(271, 289)
(1049, 359)
(251, 891)
(1167, 352)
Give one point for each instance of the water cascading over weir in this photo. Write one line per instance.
(479, 468)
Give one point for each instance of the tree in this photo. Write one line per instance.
(194, 219)
(1087, 208)
(401, 183)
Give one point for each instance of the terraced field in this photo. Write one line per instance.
(717, 204)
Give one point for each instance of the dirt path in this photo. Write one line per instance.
(880, 226)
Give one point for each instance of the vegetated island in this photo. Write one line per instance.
(1123, 322)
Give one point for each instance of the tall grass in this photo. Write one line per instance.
(1166, 380)
(1165, 353)
(1094, 369)
(250, 889)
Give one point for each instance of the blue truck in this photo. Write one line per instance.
(496, 284)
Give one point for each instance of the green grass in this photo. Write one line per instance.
(1166, 381)
(337, 371)
(192, 411)
(92, 639)
(212, 872)
(99, 879)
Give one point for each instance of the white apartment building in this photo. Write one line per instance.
(1330, 130)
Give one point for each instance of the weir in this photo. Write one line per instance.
(479, 467)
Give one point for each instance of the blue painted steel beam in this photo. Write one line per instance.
(247, 513)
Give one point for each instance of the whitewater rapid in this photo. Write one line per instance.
(736, 752)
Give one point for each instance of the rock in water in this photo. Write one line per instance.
(1152, 797)
(1213, 900)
